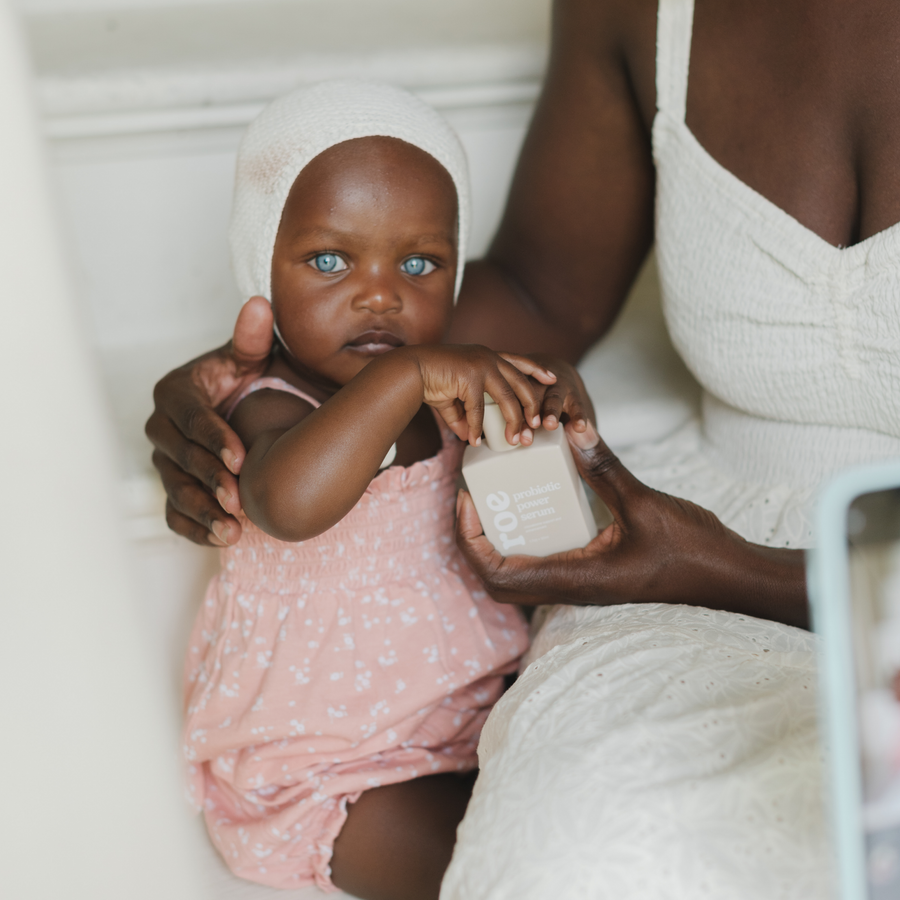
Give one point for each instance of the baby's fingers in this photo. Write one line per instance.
(565, 398)
(454, 414)
(472, 411)
(530, 367)
(514, 395)
(527, 393)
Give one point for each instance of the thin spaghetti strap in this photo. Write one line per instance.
(271, 384)
(675, 23)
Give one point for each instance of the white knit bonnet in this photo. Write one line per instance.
(294, 129)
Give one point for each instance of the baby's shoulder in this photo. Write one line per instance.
(270, 403)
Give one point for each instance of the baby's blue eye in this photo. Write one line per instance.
(417, 265)
(328, 262)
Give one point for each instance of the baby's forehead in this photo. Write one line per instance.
(386, 173)
(378, 158)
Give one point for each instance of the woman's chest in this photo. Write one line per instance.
(798, 99)
(769, 317)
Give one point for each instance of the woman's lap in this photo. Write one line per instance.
(651, 751)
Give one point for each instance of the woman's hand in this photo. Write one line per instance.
(658, 548)
(198, 456)
(456, 377)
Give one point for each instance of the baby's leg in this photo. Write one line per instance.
(397, 840)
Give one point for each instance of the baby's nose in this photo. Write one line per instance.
(379, 294)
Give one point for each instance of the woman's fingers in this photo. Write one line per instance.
(564, 577)
(478, 550)
(191, 452)
(501, 574)
(191, 510)
(197, 454)
(484, 560)
(185, 399)
(188, 528)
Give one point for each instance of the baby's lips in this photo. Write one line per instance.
(376, 337)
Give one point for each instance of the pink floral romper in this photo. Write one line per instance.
(368, 655)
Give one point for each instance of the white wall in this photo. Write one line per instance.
(90, 799)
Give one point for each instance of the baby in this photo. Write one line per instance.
(345, 658)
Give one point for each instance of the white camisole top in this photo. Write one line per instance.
(795, 342)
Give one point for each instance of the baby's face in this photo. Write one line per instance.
(365, 257)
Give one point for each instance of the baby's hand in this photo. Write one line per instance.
(456, 378)
(564, 399)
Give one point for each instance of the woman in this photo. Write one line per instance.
(777, 195)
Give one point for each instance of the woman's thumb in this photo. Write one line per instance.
(599, 466)
(253, 332)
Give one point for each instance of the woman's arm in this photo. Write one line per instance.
(300, 479)
(579, 218)
(658, 549)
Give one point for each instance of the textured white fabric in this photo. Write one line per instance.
(652, 751)
(294, 129)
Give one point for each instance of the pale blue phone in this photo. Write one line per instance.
(854, 588)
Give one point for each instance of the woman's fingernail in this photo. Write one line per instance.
(551, 422)
(515, 439)
(586, 439)
(223, 497)
(527, 435)
(230, 461)
(221, 531)
(536, 421)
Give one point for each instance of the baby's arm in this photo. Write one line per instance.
(305, 469)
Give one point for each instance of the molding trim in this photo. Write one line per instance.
(133, 122)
